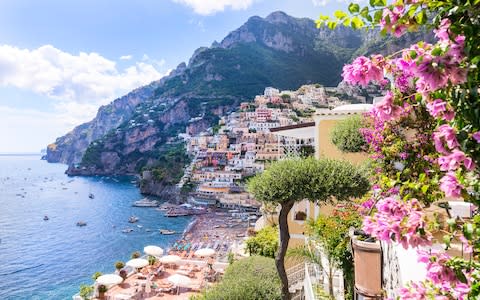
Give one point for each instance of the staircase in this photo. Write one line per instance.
(296, 279)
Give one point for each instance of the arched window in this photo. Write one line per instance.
(300, 216)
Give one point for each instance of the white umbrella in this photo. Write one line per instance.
(170, 259)
(109, 279)
(205, 252)
(153, 250)
(137, 263)
(179, 280)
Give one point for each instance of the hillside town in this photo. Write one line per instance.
(245, 141)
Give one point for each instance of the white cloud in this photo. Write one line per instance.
(125, 57)
(83, 78)
(208, 7)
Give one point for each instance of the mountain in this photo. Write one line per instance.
(139, 130)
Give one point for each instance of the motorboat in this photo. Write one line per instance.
(145, 202)
(133, 219)
(167, 232)
(81, 223)
(127, 230)
(91, 196)
(45, 218)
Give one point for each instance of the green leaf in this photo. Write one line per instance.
(378, 16)
(332, 25)
(421, 17)
(353, 8)
(340, 14)
(437, 51)
(364, 12)
(425, 188)
(357, 23)
(468, 230)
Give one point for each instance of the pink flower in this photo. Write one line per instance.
(442, 32)
(454, 160)
(390, 18)
(450, 185)
(476, 136)
(438, 108)
(446, 134)
(385, 110)
(363, 70)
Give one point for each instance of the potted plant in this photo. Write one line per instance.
(96, 275)
(119, 265)
(101, 291)
(123, 274)
(367, 257)
(136, 254)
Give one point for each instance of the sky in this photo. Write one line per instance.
(61, 60)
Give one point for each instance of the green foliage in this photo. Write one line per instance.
(315, 180)
(119, 265)
(102, 288)
(252, 278)
(346, 134)
(230, 257)
(92, 156)
(169, 164)
(96, 275)
(151, 260)
(86, 291)
(135, 254)
(264, 243)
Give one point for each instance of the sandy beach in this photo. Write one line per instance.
(219, 229)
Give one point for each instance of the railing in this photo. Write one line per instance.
(307, 284)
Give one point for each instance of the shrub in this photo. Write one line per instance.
(136, 254)
(264, 243)
(346, 135)
(151, 260)
(85, 291)
(119, 265)
(250, 278)
(96, 275)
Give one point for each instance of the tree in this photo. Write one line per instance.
(252, 278)
(264, 243)
(289, 181)
(346, 134)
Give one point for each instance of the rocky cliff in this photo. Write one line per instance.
(139, 131)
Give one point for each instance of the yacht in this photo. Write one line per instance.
(167, 232)
(145, 202)
(133, 219)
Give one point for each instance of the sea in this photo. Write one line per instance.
(51, 259)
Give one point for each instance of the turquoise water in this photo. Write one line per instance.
(50, 259)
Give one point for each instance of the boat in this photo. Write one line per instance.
(91, 196)
(45, 218)
(132, 219)
(145, 202)
(81, 223)
(140, 226)
(127, 230)
(177, 213)
(167, 232)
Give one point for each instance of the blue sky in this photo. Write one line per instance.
(61, 60)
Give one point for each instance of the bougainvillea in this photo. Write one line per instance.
(424, 136)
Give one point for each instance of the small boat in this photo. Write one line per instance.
(127, 230)
(148, 230)
(91, 196)
(140, 226)
(133, 219)
(167, 232)
(81, 223)
(145, 202)
(45, 218)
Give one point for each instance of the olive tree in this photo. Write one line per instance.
(293, 180)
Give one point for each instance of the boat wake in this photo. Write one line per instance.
(21, 270)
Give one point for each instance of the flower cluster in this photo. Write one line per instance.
(363, 70)
(395, 220)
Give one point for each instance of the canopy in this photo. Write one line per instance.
(170, 259)
(153, 250)
(179, 280)
(137, 263)
(109, 279)
(205, 252)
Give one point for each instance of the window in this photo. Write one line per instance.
(300, 216)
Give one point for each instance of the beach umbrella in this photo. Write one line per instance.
(109, 279)
(205, 252)
(153, 251)
(179, 281)
(170, 259)
(137, 263)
